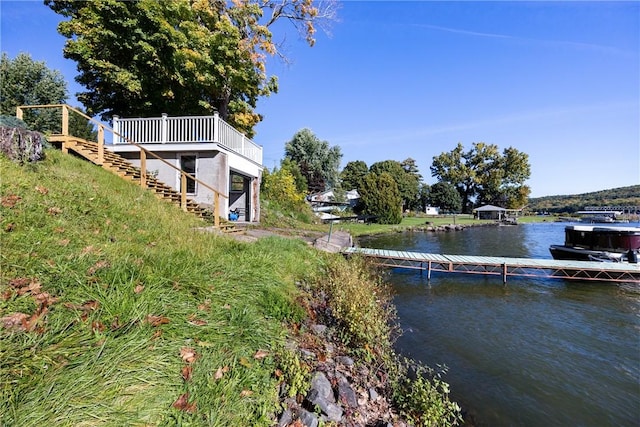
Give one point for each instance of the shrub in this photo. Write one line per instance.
(381, 198)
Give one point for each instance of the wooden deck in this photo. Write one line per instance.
(502, 266)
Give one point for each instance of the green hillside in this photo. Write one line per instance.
(623, 196)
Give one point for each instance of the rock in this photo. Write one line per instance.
(285, 419)
(319, 329)
(307, 418)
(322, 386)
(345, 360)
(373, 394)
(346, 394)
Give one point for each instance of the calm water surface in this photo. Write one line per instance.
(536, 352)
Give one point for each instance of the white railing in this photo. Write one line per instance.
(182, 130)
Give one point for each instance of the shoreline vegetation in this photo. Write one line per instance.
(116, 310)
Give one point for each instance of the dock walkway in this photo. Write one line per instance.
(502, 266)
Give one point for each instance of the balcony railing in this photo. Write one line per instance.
(183, 130)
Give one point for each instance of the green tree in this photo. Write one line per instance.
(408, 182)
(147, 57)
(483, 174)
(24, 81)
(299, 179)
(352, 176)
(381, 198)
(423, 196)
(279, 187)
(318, 162)
(445, 196)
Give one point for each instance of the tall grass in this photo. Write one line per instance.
(128, 307)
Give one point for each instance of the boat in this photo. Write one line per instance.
(598, 243)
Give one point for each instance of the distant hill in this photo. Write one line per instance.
(623, 196)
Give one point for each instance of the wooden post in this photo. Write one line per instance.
(65, 120)
(216, 209)
(183, 191)
(100, 145)
(19, 113)
(429, 272)
(143, 169)
(504, 273)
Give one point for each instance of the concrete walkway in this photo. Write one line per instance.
(334, 242)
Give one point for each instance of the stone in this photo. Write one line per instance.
(307, 418)
(285, 419)
(345, 360)
(319, 329)
(346, 393)
(322, 386)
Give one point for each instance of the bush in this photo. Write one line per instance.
(381, 198)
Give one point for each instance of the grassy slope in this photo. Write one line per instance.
(126, 287)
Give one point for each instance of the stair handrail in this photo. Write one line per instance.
(143, 153)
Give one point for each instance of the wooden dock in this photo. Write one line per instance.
(502, 266)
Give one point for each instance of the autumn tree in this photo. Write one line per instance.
(180, 57)
(381, 198)
(319, 163)
(484, 175)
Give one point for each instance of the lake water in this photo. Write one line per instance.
(533, 352)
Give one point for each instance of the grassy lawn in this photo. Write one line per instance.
(114, 310)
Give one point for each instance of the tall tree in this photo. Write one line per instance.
(483, 174)
(318, 162)
(352, 176)
(24, 81)
(381, 198)
(445, 196)
(147, 57)
(408, 182)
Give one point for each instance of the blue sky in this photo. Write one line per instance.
(559, 81)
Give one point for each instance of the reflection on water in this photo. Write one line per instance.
(536, 352)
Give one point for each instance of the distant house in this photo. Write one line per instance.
(431, 210)
(326, 201)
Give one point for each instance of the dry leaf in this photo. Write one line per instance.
(54, 211)
(245, 393)
(138, 289)
(157, 320)
(10, 200)
(205, 306)
(10, 227)
(226, 307)
(218, 374)
(196, 322)
(64, 242)
(97, 266)
(40, 189)
(188, 354)
(59, 230)
(15, 321)
(245, 362)
(260, 354)
(183, 404)
(186, 372)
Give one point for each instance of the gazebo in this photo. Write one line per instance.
(491, 212)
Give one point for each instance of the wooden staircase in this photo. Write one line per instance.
(120, 166)
(96, 153)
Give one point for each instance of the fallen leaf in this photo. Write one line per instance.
(196, 322)
(183, 404)
(138, 289)
(10, 227)
(219, 373)
(20, 282)
(157, 334)
(278, 373)
(97, 327)
(245, 393)
(15, 321)
(54, 211)
(10, 200)
(186, 372)
(226, 307)
(157, 320)
(7, 294)
(97, 266)
(87, 250)
(59, 230)
(260, 354)
(205, 306)
(40, 189)
(245, 362)
(188, 354)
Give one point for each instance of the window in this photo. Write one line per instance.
(188, 164)
(237, 183)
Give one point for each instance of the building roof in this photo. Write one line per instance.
(489, 208)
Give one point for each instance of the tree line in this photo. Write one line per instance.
(465, 179)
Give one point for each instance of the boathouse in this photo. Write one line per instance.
(205, 147)
(490, 212)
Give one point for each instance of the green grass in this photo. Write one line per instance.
(126, 283)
